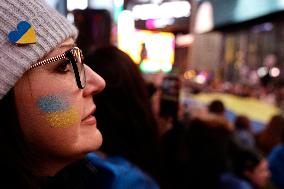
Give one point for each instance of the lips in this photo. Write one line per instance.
(90, 118)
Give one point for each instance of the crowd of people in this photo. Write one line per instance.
(212, 152)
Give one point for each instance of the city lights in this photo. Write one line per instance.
(274, 72)
(75, 4)
(175, 9)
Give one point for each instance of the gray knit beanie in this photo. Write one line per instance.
(50, 27)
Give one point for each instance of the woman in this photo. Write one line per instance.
(46, 98)
(250, 171)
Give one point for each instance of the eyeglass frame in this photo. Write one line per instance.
(69, 54)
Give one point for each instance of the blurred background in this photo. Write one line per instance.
(230, 46)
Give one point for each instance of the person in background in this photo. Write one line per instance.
(46, 105)
(276, 164)
(250, 171)
(217, 107)
(242, 133)
(126, 121)
(196, 156)
(210, 150)
(169, 103)
(172, 132)
(270, 136)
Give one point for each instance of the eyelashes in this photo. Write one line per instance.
(64, 66)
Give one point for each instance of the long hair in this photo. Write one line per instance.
(271, 134)
(123, 111)
(16, 160)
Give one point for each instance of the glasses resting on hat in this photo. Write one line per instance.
(73, 56)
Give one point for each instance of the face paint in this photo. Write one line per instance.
(63, 119)
(49, 104)
(59, 112)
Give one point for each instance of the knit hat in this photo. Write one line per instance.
(51, 29)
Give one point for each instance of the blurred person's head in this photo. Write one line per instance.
(276, 124)
(271, 135)
(252, 166)
(242, 122)
(208, 141)
(124, 112)
(216, 107)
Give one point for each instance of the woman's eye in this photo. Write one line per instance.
(64, 66)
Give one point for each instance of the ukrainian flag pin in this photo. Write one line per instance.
(25, 34)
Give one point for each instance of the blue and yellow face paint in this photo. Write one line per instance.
(59, 112)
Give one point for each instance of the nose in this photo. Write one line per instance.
(94, 82)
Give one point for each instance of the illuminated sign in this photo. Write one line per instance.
(75, 4)
(175, 9)
(154, 51)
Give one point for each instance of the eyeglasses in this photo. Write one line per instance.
(75, 57)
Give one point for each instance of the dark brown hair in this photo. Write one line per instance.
(217, 107)
(16, 160)
(242, 122)
(271, 135)
(124, 112)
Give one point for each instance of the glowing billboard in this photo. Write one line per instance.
(154, 51)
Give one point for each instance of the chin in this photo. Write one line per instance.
(94, 142)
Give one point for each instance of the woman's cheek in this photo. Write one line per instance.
(58, 111)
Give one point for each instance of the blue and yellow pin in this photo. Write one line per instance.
(25, 34)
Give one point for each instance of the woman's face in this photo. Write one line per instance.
(260, 174)
(54, 114)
